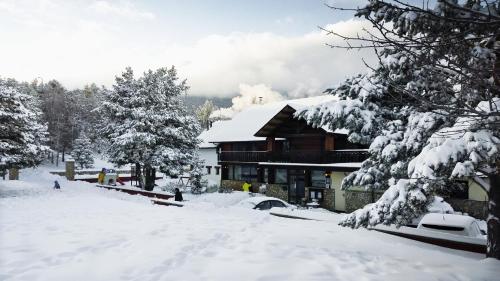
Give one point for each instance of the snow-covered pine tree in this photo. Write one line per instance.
(430, 109)
(22, 134)
(82, 152)
(203, 114)
(196, 173)
(148, 124)
(59, 108)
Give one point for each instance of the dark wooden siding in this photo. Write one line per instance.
(306, 143)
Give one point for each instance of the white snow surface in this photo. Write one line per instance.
(84, 233)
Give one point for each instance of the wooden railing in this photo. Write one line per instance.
(300, 156)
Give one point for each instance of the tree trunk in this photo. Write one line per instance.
(63, 155)
(57, 159)
(493, 220)
(153, 176)
(149, 173)
(138, 175)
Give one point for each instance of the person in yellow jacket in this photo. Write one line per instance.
(101, 175)
(247, 186)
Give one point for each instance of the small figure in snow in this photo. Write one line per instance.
(178, 195)
(262, 189)
(56, 185)
(247, 187)
(100, 177)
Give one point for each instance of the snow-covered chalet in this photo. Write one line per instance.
(267, 145)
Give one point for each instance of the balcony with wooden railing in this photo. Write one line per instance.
(301, 156)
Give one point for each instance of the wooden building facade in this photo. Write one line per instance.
(296, 162)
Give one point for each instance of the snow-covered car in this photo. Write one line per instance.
(263, 203)
(438, 206)
(447, 230)
(451, 224)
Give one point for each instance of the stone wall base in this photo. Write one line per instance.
(476, 209)
(328, 201)
(238, 185)
(356, 199)
(277, 190)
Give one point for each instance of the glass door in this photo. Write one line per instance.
(296, 189)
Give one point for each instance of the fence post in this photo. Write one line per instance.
(13, 174)
(132, 174)
(70, 169)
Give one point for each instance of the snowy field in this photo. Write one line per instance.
(85, 233)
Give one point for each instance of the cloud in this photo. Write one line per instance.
(256, 94)
(75, 44)
(248, 95)
(123, 9)
(296, 65)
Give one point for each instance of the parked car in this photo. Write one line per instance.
(438, 206)
(264, 203)
(451, 224)
(447, 230)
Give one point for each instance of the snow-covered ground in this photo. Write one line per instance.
(85, 233)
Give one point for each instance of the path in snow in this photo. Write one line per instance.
(85, 233)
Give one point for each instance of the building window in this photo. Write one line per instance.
(249, 173)
(286, 146)
(217, 170)
(316, 195)
(230, 172)
(318, 178)
(237, 172)
(240, 173)
(280, 176)
(209, 170)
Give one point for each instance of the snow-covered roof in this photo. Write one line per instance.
(245, 124)
(208, 134)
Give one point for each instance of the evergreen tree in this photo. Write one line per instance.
(82, 152)
(429, 109)
(196, 173)
(22, 134)
(59, 107)
(148, 125)
(87, 118)
(203, 113)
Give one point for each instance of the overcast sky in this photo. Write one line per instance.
(216, 44)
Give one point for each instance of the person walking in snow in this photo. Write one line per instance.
(178, 195)
(56, 185)
(247, 187)
(101, 175)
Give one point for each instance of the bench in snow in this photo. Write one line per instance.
(134, 191)
(167, 202)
